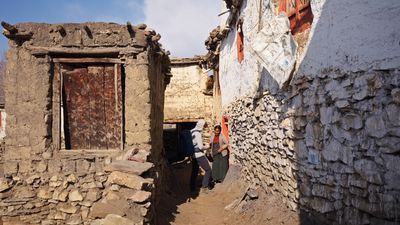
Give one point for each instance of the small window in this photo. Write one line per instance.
(299, 13)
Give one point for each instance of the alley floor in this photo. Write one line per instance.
(227, 203)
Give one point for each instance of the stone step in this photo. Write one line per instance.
(127, 166)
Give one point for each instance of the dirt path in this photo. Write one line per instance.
(178, 207)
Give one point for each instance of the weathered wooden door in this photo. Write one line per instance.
(92, 105)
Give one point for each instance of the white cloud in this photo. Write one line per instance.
(184, 25)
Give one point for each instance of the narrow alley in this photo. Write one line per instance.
(278, 112)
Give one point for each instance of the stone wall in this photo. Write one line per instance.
(76, 188)
(326, 140)
(329, 145)
(185, 100)
(46, 185)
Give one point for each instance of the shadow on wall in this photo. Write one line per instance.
(328, 144)
(345, 152)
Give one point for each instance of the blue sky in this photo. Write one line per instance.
(183, 24)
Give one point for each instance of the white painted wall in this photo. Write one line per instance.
(238, 80)
(353, 35)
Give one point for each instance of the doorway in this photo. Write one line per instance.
(91, 106)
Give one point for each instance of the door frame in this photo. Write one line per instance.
(57, 100)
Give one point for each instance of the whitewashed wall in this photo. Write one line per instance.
(353, 35)
(236, 79)
(328, 143)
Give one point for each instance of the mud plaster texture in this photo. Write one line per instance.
(45, 185)
(185, 98)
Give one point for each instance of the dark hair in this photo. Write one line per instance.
(217, 126)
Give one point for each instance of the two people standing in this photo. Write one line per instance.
(219, 151)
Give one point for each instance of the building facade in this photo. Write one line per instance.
(84, 107)
(313, 118)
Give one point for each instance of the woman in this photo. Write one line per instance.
(219, 148)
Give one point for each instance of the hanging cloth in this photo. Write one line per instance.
(239, 42)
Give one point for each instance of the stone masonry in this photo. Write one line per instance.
(314, 118)
(45, 184)
(328, 145)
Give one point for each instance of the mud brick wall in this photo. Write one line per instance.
(156, 123)
(45, 185)
(328, 145)
(185, 98)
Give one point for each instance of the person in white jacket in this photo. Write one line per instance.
(199, 155)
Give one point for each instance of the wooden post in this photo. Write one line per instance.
(56, 106)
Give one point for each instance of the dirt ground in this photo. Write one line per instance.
(227, 203)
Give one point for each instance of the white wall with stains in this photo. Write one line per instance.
(353, 35)
(350, 35)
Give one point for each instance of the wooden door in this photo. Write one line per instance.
(92, 104)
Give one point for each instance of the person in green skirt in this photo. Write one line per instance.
(219, 150)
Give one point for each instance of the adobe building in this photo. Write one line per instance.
(188, 98)
(82, 99)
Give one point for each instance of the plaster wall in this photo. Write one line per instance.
(42, 183)
(340, 37)
(184, 97)
(325, 142)
(361, 36)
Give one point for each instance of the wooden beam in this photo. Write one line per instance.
(88, 31)
(60, 29)
(56, 107)
(93, 51)
(54, 50)
(20, 35)
(88, 60)
(130, 29)
(10, 28)
(172, 121)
